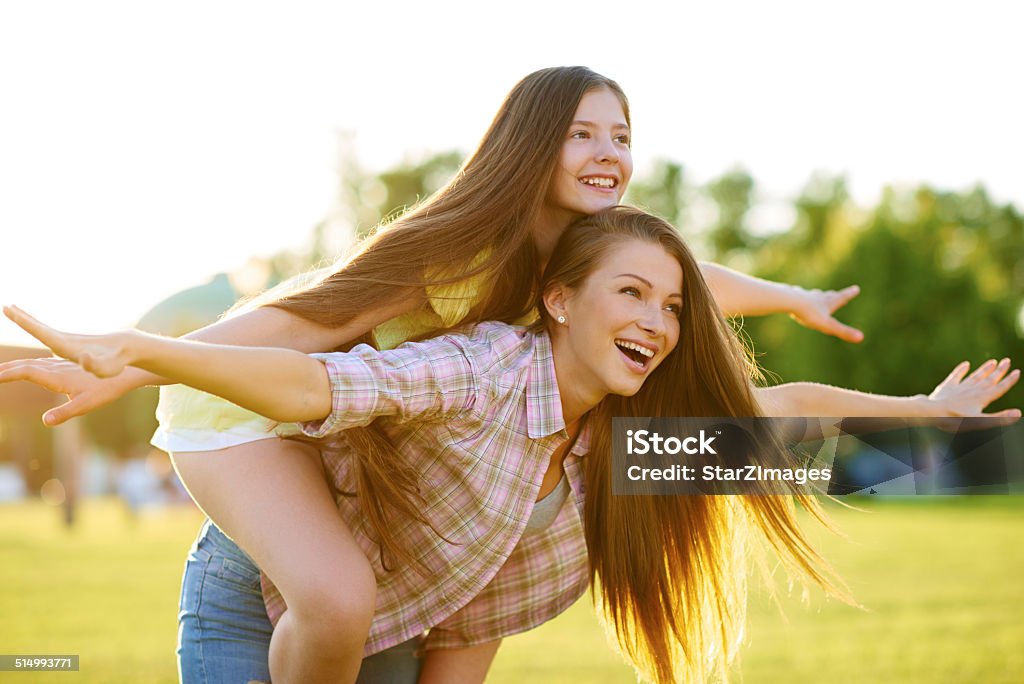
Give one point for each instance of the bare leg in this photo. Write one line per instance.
(271, 497)
(459, 665)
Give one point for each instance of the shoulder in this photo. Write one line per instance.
(487, 350)
(498, 345)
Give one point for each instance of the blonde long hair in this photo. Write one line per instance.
(480, 222)
(669, 572)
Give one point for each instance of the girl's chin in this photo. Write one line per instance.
(597, 204)
(588, 206)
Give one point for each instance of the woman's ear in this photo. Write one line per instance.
(555, 299)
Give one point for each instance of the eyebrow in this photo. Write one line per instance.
(646, 282)
(594, 125)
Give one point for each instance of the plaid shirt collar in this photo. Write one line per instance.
(543, 402)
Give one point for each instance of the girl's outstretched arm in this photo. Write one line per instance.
(281, 384)
(738, 294)
(958, 396)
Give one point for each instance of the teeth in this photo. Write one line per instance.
(599, 182)
(635, 347)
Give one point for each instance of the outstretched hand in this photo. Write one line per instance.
(90, 357)
(102, 355)
(963, 396)
(815, 310)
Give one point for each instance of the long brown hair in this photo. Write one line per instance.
(480, 222)
(488, 208)
(669, 572)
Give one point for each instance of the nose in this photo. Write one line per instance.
(652, 321)
(606, 152)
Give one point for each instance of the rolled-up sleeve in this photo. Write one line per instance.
(423, 380)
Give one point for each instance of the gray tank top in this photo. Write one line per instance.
(546, 510)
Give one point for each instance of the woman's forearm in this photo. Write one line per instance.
(281, 384)
(805, 399)
(268, 326)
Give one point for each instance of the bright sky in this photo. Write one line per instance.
(144, 149)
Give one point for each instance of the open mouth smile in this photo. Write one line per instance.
(638, 356)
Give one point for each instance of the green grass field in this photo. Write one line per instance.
(941, 581)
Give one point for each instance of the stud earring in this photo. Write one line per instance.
(561, 319)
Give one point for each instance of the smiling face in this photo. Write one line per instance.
(620, 323)
(595, 163)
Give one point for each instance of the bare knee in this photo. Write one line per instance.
(335, 605)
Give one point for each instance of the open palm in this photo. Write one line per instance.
(962, 395)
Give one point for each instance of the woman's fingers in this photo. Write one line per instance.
(46, 374)
(42, 361)
(74, 407)
(98, 354)
(1002, 418)
(28, 323)
(54, 339)
(969, 396)
(957, 374)
(35, 371)
(989, 382)
(1001, 369)
(982, 371)
(1003, 386)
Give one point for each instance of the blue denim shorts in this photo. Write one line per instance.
(223, 628)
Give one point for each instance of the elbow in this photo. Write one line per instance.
(303, 399)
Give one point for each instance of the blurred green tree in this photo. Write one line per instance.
(941, 282)
(733, 194)
(663, 192)
(942, 273)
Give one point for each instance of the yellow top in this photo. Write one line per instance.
(191, 420)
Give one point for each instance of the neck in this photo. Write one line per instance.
(577, 396)
(547, 228)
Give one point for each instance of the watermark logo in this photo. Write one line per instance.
(643, 442)
(817, 455)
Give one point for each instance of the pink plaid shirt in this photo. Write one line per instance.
(479, 416)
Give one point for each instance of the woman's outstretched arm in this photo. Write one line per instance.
(281, 384)
(958, 396)
(738, 294)
(265, 326)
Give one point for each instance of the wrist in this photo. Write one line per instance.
(135, 349)
(923, 406)
(133, 345)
